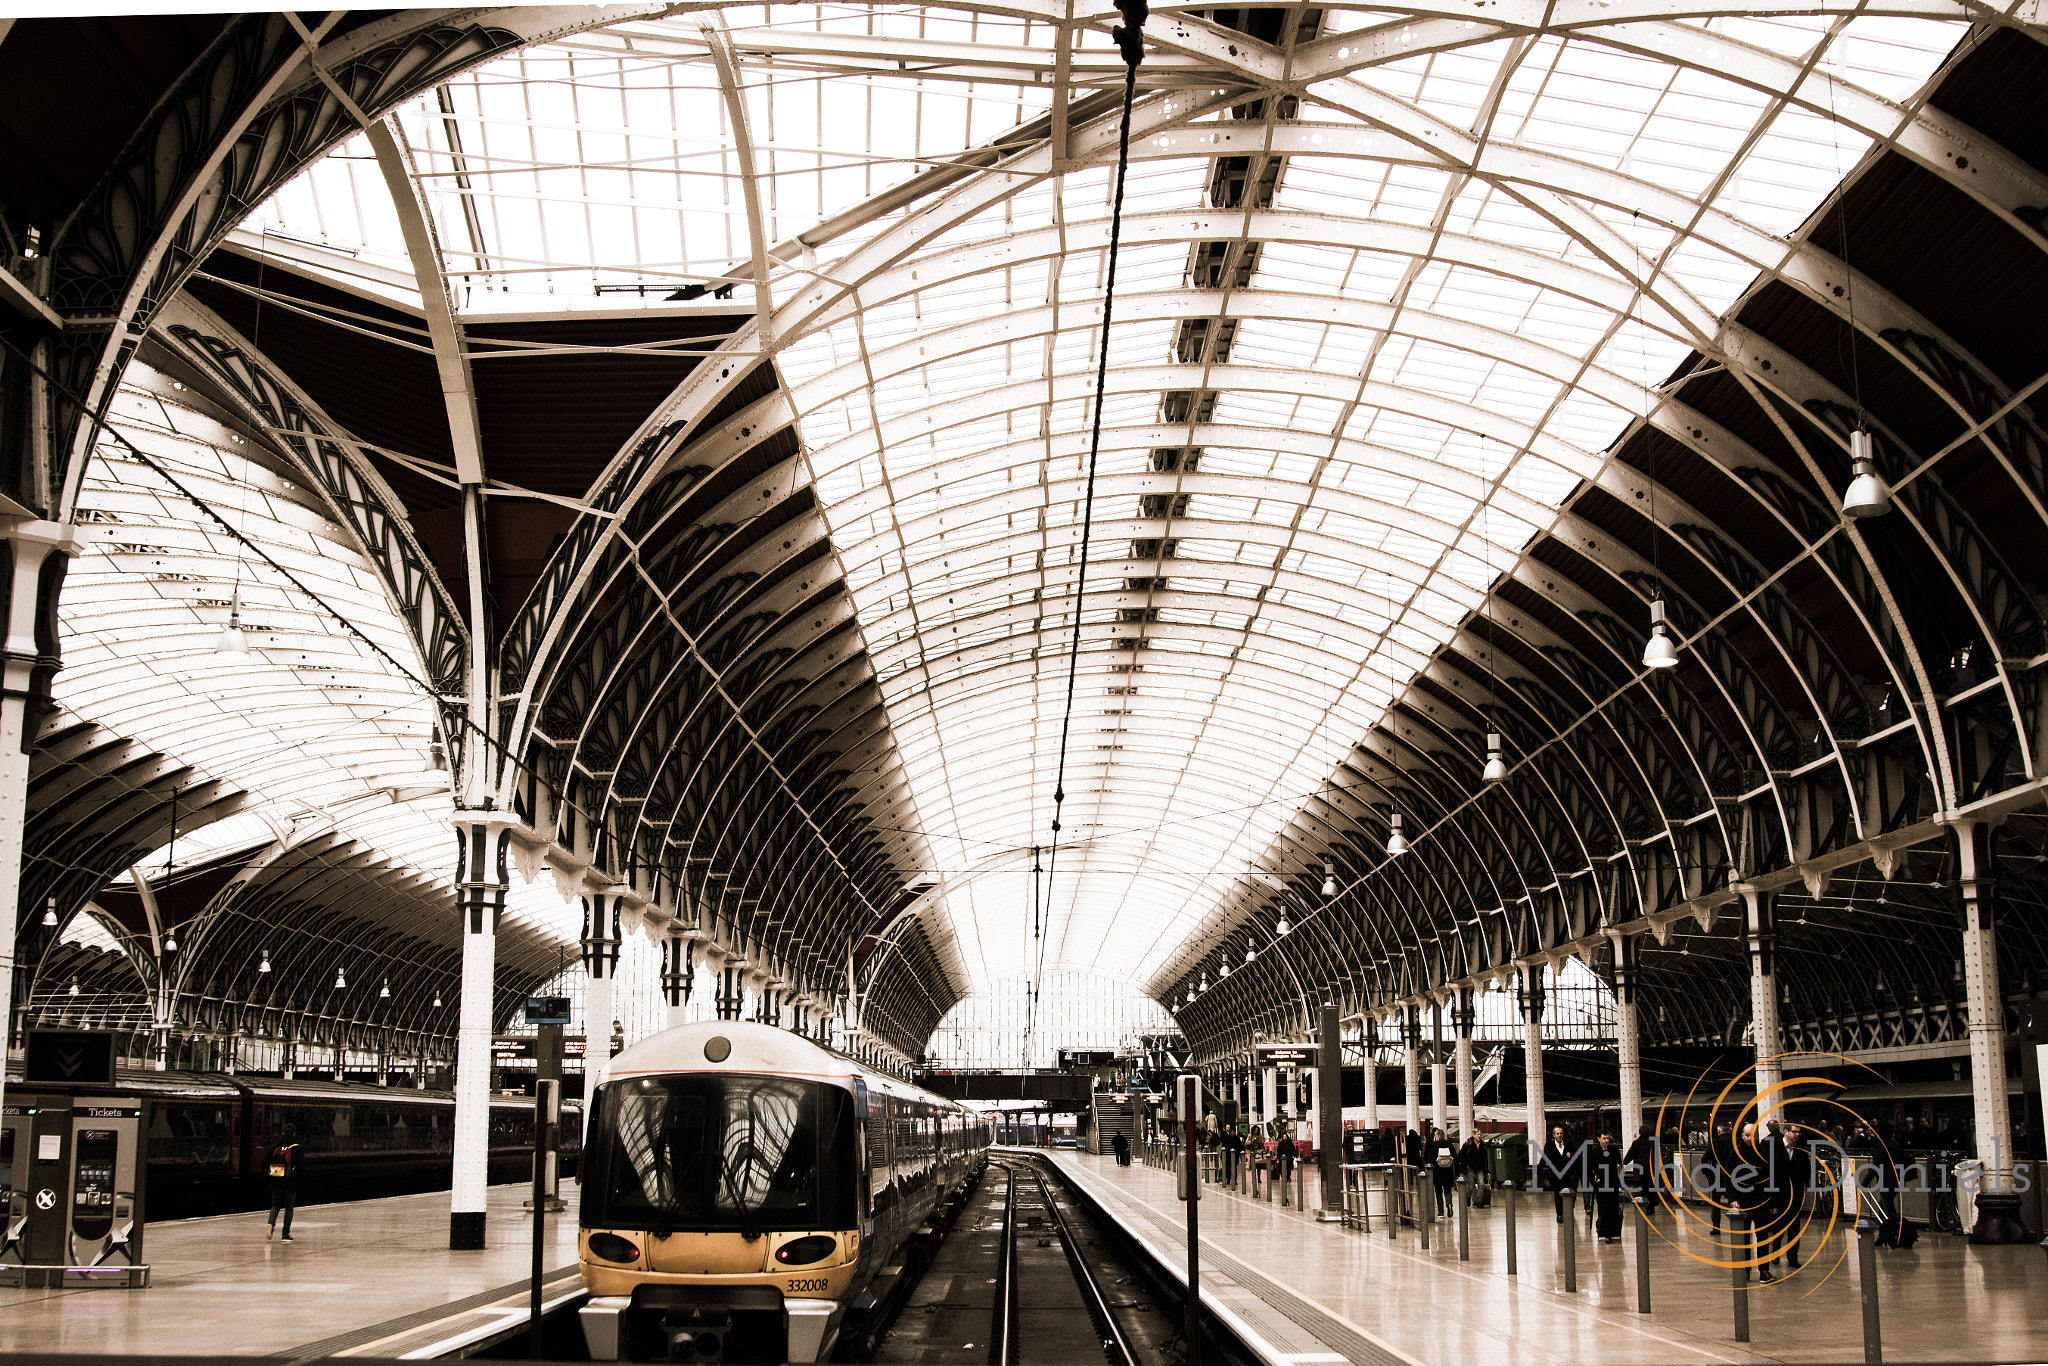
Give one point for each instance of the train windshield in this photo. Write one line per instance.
(721, 1151)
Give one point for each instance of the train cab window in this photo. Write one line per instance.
(722, 1151)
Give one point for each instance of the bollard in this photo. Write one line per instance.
(1464, 1217)
(1571, 1255)
(1424, 1219)
(1509, 1186)
(1866, 1278)
(1642, 1260)
(1735, 1223)
(1393, 1190)
(1301, 1185)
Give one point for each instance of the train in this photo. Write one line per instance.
(743, 1187)
(206, 1133)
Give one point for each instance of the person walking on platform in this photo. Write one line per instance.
(1714, 1174)
(284, 1180)
(1283, 1165)
(1472, 1166)
(1791, 1175)
(1441, 1160)
(1603, 1171)
(1121, 1146)
(1639, 1167)
(1558, 1171)
(1749, 1191)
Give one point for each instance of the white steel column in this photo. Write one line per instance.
(1369, 1072)
(41, 552)
(481, 881)
(1461, 1021)
(1411, 1066)
(1532, 1050)
(1761, 927)
(1439, 1097)
(1976, 872)
(1627, 1044)
(1270, 1106)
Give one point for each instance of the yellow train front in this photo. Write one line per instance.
(742, 1188)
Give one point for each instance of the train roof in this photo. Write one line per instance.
(225, 1088)
(755, 1048)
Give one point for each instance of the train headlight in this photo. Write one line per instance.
(611, 1247)
(804, 1251)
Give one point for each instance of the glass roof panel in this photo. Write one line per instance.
(1328, 422)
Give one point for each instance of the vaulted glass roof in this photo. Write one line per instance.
(1368, 334)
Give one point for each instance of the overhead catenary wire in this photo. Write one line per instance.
(1131, 43)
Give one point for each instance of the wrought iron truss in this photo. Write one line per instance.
(725, 690)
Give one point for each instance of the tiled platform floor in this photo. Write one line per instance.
(221, 1289)
(1331, 1294)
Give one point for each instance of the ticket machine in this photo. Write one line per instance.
(104, 1233)
(72, 1171)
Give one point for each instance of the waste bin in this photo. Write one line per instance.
(1507, 1159)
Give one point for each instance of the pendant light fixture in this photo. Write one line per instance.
(340, 980)
(170, 941)
(1869, 495)
(1282, 927)
(50, 914)
(1205, 982)
(1329, 878)
(1250, 953)
(1661, 652)
(1397, 843)
(1223, 969)
(231, 643)
(74, 988)
(1496, 767)
(384, 991)
(437, 1000)
(264, 966)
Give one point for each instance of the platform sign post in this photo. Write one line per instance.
(546, 1106)
(1188, 1100)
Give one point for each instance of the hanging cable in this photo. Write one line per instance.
(1130, 42)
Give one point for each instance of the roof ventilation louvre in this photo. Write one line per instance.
(1167, 459)
(1213, 264)
(1137, 614)
(1204, 339)
(1155, 548)
(1145, 585)
(1232, 175)
(1163, 505)
(1181, 405)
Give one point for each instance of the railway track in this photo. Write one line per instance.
(1027, 1278)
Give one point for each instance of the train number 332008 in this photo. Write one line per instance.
(801, 1287)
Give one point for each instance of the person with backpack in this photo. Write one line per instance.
(1441, 1158)
(283, 1160)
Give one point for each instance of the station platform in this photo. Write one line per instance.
(369, 1278)
(1319, 1292)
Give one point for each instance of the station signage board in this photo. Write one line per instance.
(522, 1048)
(552, 1010)
(1086, 1057)
(1289, 1055)
(68, 1057)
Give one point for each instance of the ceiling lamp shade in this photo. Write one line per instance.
(1329, 879)
(74, 988)
(1222, 970)
(231, 642)
(264, 966)
(170, 942)
(1283, 927)
(50, 914)
(1661, 652)
(1397, 843)
(1250, 953)
(340, 981)
(1496, 767)
(1869, 495)
(437, 1000)
(384, 990)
